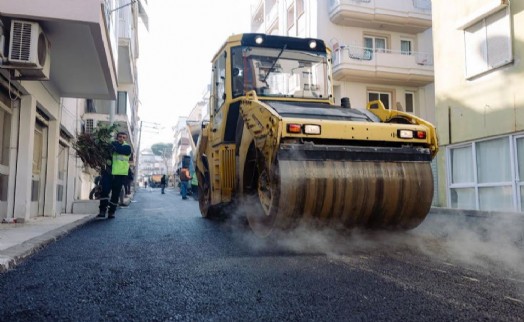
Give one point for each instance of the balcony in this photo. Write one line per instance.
(272, 15)
(82, 63)
(257, 16)
(128, 50)
(408, 16)
(388, 67)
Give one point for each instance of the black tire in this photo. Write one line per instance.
(204, 197)
(95, 193)
(263, 193)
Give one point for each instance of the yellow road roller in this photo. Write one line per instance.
(277, 149)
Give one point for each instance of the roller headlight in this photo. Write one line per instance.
(312, 129)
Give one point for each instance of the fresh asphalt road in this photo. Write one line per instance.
(159, 260)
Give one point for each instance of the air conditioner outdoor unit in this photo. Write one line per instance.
(29, 50)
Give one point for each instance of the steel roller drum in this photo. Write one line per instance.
(344, 194)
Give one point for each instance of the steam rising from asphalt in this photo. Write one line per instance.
(492, 243)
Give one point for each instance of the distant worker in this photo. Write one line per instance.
(163, 183)
(114, 175)
(184, 179)
(194, 185)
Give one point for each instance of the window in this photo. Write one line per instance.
(480, 176)
(488, 43)
(121, 103)
(5, 138)
(89, 126)
(62, 171)
(519, 146)
(405, 47)
(90, 106)
(219, 75)
(384, 97)
(290, 18)
(300, 8)
(410, 101)
(375, 44)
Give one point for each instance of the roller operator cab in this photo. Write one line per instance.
(278, 150)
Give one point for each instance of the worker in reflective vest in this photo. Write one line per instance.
(113, 178)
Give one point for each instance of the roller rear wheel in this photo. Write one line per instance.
(204, 197)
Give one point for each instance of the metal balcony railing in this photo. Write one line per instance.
(397, 5)
(397, 58)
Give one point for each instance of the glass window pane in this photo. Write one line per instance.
(409, 102)
(463, 198)
(493, 161)
(4, 179)
(59, 192)
(405, 47)
(35, 184)
(372, 97)
(521, 198)
(5, 136)
(462, 165)
(385, 99)
(380, 44)
(62, 162)
(496, 198)
(368, 42)
(37, 151)
(520, 158)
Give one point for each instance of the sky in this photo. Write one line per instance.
(174, 64)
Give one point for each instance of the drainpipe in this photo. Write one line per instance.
(112, 112)
(13, 147)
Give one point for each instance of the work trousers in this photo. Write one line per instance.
(111, 185)
(183, 189)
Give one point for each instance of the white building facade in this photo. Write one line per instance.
(480, 103)
(76, 55)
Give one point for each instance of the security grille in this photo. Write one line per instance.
(89, 126)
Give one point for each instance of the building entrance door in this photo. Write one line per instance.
(61, 185)
(39, 170)
(5, 137)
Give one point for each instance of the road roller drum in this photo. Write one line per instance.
(345, 194)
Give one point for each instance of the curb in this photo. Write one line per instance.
(476, 213)
(13, 256)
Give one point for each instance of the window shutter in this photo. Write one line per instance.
(498, 39)
(475, 42)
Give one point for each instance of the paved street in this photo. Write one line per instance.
(159, 260)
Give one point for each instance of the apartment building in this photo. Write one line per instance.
(480, 103)
(382, 49)
(150, 164)
(57, 62)
(182, 142)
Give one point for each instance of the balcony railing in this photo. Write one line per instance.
(392, 66)
(272, 15)
(368, 54)
(412, 16)
(404, 5)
